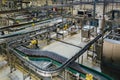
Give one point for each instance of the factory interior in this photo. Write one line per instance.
(59, 40)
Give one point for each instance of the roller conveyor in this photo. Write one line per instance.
(26, 25)
(37, 28)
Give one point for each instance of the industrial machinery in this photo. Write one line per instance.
(21, 53)
(17, 39)
(111, 54)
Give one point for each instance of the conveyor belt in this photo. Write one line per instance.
(56, 57)
(37, 28)
(28, 24)
(11, 11)
(65, 63)
(74, 66)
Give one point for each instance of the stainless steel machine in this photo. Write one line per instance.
(111, 55)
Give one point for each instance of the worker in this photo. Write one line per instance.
(66, 26)
(89, 77)
(91, 47)
(17, 22)
(34, 43)
(33, 24)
